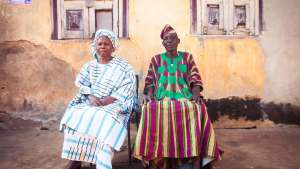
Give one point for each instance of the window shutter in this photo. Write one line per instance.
(100, 16)
(225, 17)
(81, 18)
(72, 20)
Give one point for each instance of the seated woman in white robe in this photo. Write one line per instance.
(95, 121)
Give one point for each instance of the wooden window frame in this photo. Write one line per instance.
(119, 10)
(199, 16)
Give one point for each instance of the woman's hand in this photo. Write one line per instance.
(107, 100)
(94, 101)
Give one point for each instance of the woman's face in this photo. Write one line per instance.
(104, 47)
(171, 41)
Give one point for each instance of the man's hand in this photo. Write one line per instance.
(196, 94)
(148, 97)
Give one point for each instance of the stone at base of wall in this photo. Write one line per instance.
(226, 113)
(251, 108)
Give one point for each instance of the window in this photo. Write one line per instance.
(78, 19)
(213, 23)
(225, 17)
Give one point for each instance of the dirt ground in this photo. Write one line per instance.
(30, 146)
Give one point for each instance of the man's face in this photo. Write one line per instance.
(171, 41)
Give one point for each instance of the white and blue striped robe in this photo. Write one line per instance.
(106, 124)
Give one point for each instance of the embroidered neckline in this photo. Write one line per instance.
(172, 65)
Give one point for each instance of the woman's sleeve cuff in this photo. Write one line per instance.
(85, 90)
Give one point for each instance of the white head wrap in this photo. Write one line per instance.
(109, 34)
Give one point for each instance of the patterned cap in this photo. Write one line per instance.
(167, 29)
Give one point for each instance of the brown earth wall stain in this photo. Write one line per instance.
(33, 79)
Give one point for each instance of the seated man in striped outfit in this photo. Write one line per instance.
(175, 130)
(95, 121)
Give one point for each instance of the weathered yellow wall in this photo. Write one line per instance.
(280, 41)
(30, 22)
(230, 67)
(233, 67)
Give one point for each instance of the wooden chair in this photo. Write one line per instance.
(135, 113)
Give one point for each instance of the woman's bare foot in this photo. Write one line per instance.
(73, 165)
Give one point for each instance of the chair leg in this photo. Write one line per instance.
(137, 120)
(129, 143)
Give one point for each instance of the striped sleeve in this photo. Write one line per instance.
(125, 92)
(83, 80)
(194, 75)
(150, 78)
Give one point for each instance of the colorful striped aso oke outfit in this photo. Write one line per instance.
(92, 133)
(171, 125)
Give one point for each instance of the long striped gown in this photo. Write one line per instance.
(171, 125)
(91, 133)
